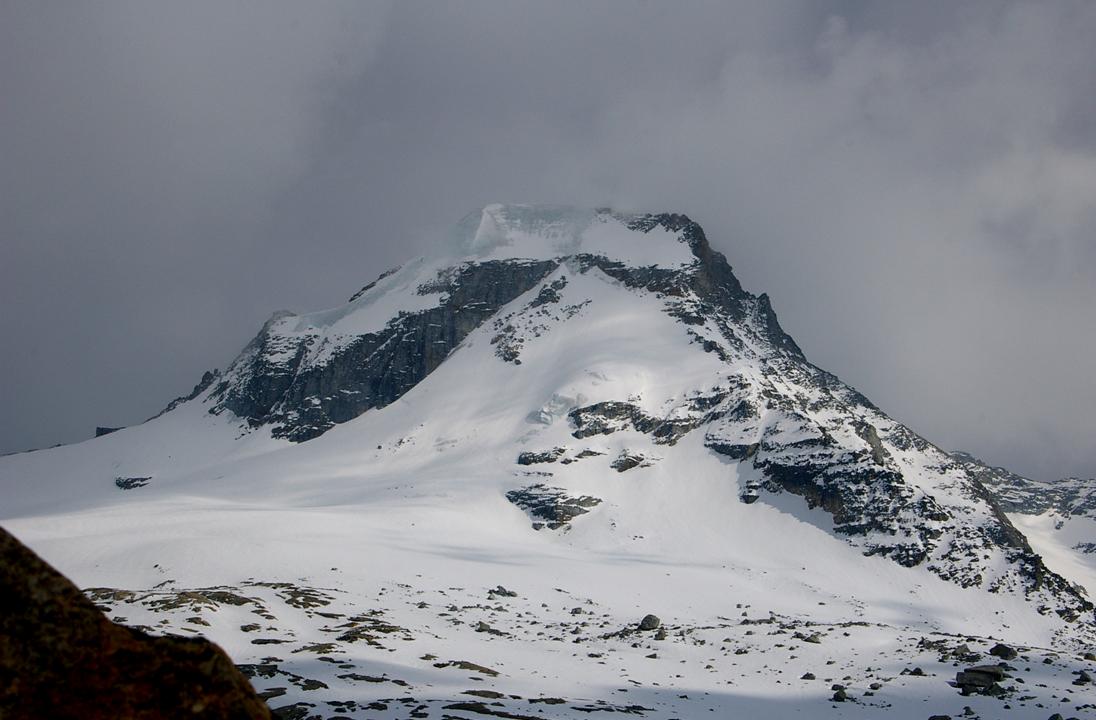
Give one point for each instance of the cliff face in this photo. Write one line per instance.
(304, 383)
(60, 657)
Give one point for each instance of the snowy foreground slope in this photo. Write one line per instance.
(459, 494)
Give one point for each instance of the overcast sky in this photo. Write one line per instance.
(914, 184)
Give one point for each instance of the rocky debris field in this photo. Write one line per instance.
(462, 652)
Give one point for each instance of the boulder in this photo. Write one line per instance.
(980, 679)
(649, 622)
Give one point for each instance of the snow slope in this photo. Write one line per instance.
(349, 551)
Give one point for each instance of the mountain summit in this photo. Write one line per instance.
(584, 405)
(305, 373)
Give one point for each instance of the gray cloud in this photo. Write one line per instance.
(911, 182)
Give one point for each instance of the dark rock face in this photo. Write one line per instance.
(129, 483)
(101, 431)
(536, 458)
(270, 383)
(605, 418)
(60, 657)
(551, 506)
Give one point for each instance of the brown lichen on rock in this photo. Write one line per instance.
(60, 657)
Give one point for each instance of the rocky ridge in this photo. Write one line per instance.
(1018, 494)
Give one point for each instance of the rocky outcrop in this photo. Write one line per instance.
(130, 483)
(535, 458)
(551, 507)
(605, 418)
(629, 459)
(274, 382)
(61, 658)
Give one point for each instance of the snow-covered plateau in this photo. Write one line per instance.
(460, 494)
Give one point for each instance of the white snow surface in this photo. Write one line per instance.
(544, 232)
(402, 512)
(1056, 537)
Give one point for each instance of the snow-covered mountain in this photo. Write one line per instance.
(1059, 518)
(458, 494)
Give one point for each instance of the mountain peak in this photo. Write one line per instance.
(543, 232)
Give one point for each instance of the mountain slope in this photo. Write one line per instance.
(1059, 517)
(803, 431)
(585, 407)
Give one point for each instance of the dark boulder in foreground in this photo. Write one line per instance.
(60, 657)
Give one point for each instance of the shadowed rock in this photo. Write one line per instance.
(60, 657)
